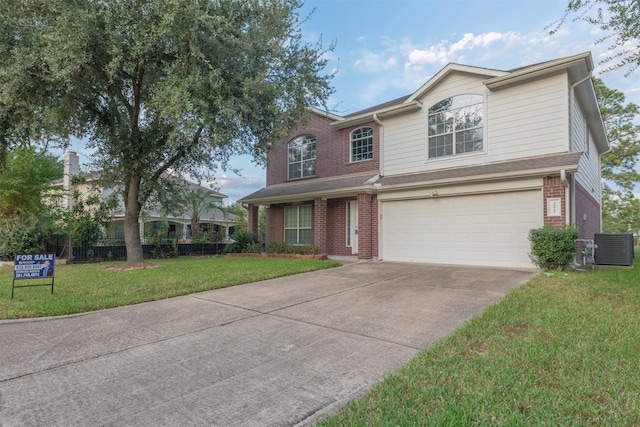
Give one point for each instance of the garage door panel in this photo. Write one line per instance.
(489, 229)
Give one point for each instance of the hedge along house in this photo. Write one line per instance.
(155, 224)
(457, 172)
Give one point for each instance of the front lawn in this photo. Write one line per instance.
(79, 288)
(563, 349)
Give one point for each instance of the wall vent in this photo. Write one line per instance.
(614, 248)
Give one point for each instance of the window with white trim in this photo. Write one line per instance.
(297, 225)
(362, 144)
(455, 126)
(302, 157)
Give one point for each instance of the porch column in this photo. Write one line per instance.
(365, 237)
(141, 228)
(320, 224)
(252, 219)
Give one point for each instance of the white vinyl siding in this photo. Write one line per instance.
(523, 121)
(528, 120)
(588, 171)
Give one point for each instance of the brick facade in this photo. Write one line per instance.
(365, 231)
(333, 158)
(337, 221)
(275, 224)
(320, 224)
(587, 213)
(329, 221)
(552, 187)
(332, 152)
(252, 218)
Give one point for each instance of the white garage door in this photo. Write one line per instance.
(488, 230)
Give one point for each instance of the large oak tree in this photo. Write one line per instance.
(177, 86)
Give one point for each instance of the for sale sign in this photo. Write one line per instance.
(33, 266)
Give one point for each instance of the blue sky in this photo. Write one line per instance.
(389, 48)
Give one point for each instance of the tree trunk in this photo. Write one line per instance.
(195, 227)
(131, 226)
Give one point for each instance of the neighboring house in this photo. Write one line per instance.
(457, 172)
(154, 223)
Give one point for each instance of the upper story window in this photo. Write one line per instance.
(302, 157)
(455, 126)
(362, 144)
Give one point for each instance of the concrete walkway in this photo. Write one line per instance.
(275, 353)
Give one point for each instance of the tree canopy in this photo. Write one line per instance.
(24, 181)
(172, 85)
(619, 20)
(621, 209)
(31, 108)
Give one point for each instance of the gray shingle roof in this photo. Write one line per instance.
(353, 184)
(312, 187)
(567, 161)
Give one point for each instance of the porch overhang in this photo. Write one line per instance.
(516, 169)
(310, 189)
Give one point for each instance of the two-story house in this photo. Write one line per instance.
(155, 221)
(457, 172)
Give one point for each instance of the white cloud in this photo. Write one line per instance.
(445, 51)
(434, 55)
(371, 62)
(469, 41)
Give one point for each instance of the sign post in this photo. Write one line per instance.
(33, 267)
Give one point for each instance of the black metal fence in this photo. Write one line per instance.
(99, 253)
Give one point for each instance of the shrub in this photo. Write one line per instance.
(86, 232)
(253, 248)
(21, 236)
(276, 247)
(287, 248)
(240, 241)
(553, 248)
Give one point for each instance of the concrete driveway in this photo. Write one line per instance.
(274, 353)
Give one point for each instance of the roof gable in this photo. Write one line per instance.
(449, 70)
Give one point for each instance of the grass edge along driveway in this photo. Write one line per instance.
(564, 349)
(80, 288)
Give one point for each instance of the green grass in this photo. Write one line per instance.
(81, 288)
(562, 350)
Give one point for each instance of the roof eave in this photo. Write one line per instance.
(382, 113)
(540, 70)
(327, 194)
(324, 113)
(533, 173)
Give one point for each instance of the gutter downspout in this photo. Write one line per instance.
(380, 143)
(381, 168)
(570, 198)
(568, 205)
(572, 95)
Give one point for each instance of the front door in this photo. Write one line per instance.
(352, 226)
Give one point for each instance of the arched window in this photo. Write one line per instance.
(302, 157)
(362, 144)
(455, 126)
